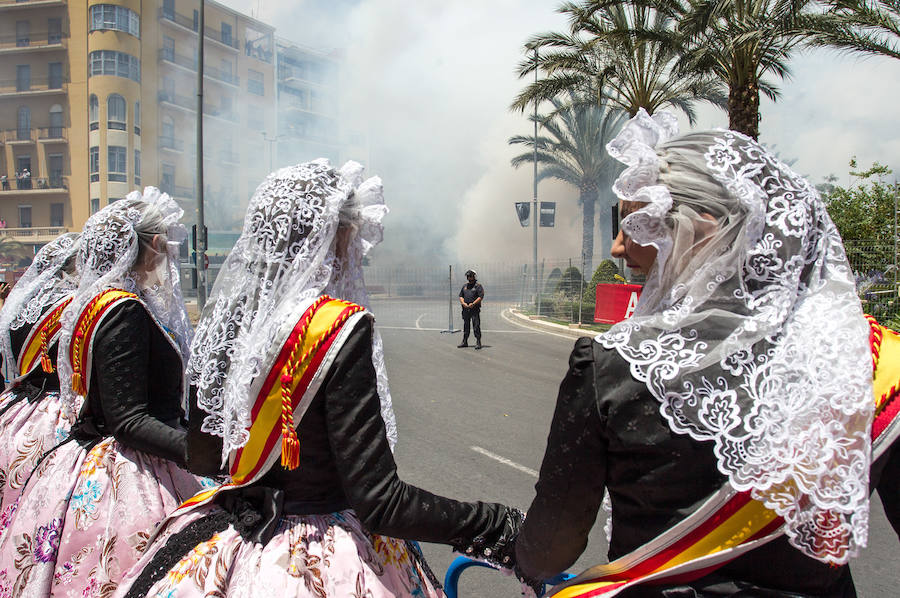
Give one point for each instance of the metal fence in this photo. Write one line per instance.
(561, 290)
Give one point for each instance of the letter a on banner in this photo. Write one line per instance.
(632, 303)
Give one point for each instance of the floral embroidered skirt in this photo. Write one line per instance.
(310, 556)
(84, 519)
(27, 430)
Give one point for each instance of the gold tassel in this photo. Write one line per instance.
(45, 361)
(290, 450)
(76, 382)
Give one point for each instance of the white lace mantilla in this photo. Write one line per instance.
(284, 258)
(753, 338)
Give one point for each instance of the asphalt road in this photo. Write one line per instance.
(473, 426)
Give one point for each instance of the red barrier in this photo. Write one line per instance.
(615, 302)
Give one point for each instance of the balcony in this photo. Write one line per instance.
(52, 135)
(46, 40)
(191, 25)
(32, 87)
(34, 234)
(54, 185)
(26, 4)
(186, 102)
(17, 136)
(176, 191)
(229, 157)
(190, 63)
(172, 144)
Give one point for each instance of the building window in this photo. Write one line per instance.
(167, 179)
(56, 214)
(255, 82)
(23, 124)
(54, 75)
(54, 31)
(137, 167)
(95, 163)
(94, 112)
(95, 205)
(116, 166)
(55, 167)
(24, 216)
(137, 118)
(23, 77)
(116, 64)
(23, 37)
(168, 49)
(56, 122)
(226, 34)
(116, 112)
(118, 18)
(169, 9)
(196, 23)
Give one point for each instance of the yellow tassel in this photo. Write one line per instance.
(76, 382)
(46, 363)
(290, 451)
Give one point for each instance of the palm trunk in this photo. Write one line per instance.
(588, 207)
(743, 108)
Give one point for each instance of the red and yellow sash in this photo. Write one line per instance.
(85, 326)
(273, 427)
(732, 523)
(40, 338)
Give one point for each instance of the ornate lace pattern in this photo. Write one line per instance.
(763, 351)
(43, 284)
(284, 258)
(106, 258)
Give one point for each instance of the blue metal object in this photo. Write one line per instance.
(461, 563)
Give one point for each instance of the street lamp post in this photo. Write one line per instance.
(201, 225)
(534, 202)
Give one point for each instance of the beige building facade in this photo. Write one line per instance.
(100, 98)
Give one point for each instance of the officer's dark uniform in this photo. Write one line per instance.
(471, 315)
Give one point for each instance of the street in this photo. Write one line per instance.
(473, 426)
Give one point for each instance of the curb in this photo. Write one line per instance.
(543, 326)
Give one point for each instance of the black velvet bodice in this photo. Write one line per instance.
(607, 433)
(135, 390)
(345, 461)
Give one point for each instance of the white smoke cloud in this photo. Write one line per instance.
(431, 82)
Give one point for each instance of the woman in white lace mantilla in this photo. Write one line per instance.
(744, 375)
(291, 394)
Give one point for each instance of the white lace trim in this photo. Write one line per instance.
(109, 249)
(284, 257)
(741, 350)
(43, 284)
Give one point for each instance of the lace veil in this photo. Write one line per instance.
(749, 331)
(110, 243)
(49, 278)
(284, 259)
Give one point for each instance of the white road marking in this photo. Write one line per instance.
(505, 461)
(419, 322)
(541, 331)
(457, 330)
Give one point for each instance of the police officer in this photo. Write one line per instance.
(470, 297)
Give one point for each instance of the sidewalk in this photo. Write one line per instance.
(540, 324)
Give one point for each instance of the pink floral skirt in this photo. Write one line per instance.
(27, 430)
(84, 519)
(310, 556)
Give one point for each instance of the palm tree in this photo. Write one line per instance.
(574, 151)
(740, 42)
(624, 53)
(865, 26)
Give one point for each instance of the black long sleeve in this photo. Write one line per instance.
(570, 487)
(366, 467)
(136, 381)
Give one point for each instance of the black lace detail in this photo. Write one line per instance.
(178, 545)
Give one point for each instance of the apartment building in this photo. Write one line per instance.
(100, 98)
(312, 121)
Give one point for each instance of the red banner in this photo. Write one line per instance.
(615, 302)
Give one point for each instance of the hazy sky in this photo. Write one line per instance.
(431, 82)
